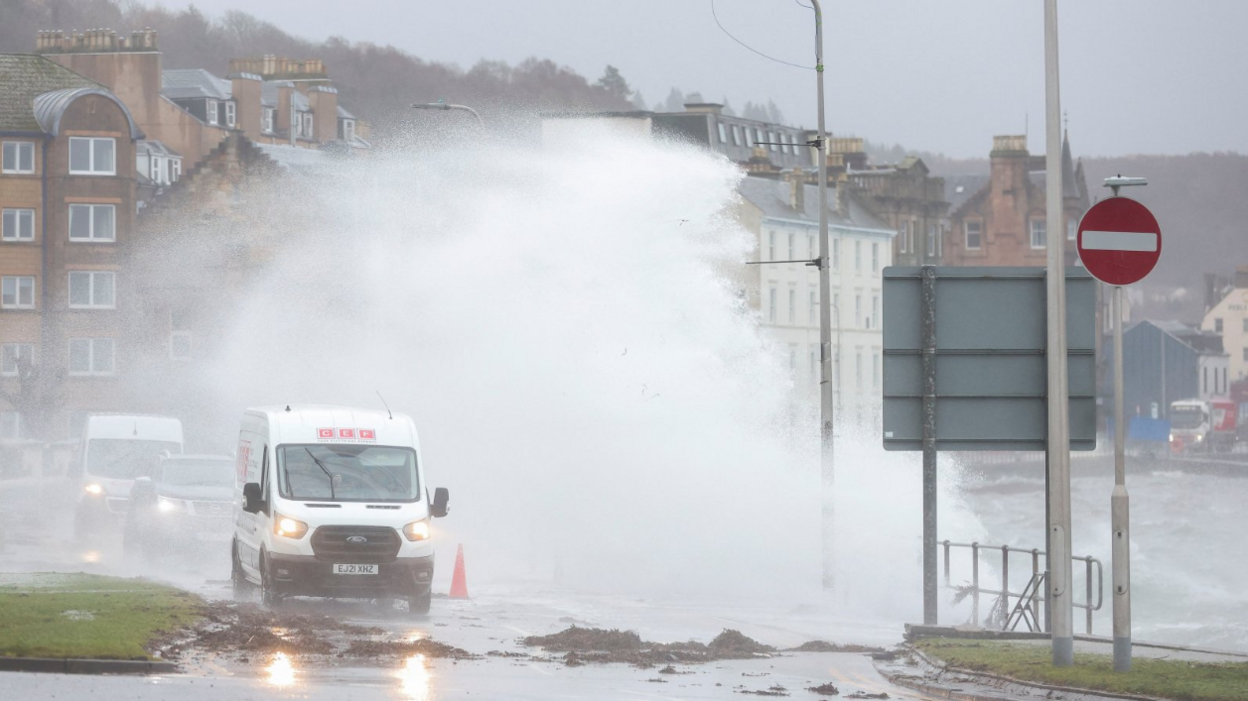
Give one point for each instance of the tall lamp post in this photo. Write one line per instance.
(826, 396)
(445, 106)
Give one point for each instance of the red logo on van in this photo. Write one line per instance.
(324, 433)
(346, 433)
(368, 434)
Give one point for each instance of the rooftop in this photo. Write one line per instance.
(773, 197)
(188, 83)
(25, 77)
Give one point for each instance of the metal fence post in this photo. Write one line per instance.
(946, 544)
(1088, 574)
(1005, 581)
(1035, 599)
(975, 584)
(928, 305)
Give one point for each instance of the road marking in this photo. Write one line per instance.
(1141, 241)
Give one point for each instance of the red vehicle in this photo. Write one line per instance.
(1200, 425)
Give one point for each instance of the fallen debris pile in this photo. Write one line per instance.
(597, 645)
(824, 689)
(824, 646)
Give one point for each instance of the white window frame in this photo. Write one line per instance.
(348, 129)
(91, 169)
(1072, 229)
(15, 281)
(736, 135)
(723, 132)
(267, 120)
(307, 125)
(858, 256)
(836, 254)
(792, 306)
(91, 237)
(1032, 229)
(931, 240)
(230, 113)
(14, 352)
(11, 426)
(792, 246)
(11, 224)
(155, 170)
(91, 353)
(210, 111)
(857, 311)
(978, 233)
(902, 245)
(173, 336)
(771, 305)
(875, 257)
(175, 170)
(14, 166)
(771, 245)
(91, 277)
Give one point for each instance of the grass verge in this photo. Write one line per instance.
(1169, 679)
(88, 616)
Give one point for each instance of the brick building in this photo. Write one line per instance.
(1003, 221)
(67, 195)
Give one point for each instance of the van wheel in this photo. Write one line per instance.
(419, 604)
(243, 589)
(269, 596)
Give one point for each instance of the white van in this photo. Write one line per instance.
(117, 449)
(331, 501)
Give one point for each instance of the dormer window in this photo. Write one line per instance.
(348, 130)
(307, 125)
(210, 107)
(267, 120)
(229, 114)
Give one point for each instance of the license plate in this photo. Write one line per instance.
(355, 569)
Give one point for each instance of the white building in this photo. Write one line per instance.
(1229, 318)
(784, 215)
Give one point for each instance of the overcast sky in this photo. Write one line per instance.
(1138, 76)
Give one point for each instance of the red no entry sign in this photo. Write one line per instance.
(1119, 241)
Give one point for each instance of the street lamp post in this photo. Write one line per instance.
(826, 396)
(439, 105)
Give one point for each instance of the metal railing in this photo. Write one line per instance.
(1033, 596)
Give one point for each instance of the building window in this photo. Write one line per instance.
(210, 109)
(857, 311)
(17, 292)
(12, 428)
(266, 122)
(92, 222)
(931, 240)
(792, 306)
(784, 142)
(858, 369)
(229, 113)
(92, 156)
(723, 133)
(155, 174)
(180, 345)
(92, 290)
(974, 234)
(814, 307)
(307, 125)
(175, 169)
(91, 356)
(771, 305)
(812, 246)
(1038, 234)
(736, 135)
(902, 244)
(1072, 229)
(836, 254)
(792, 246)
(19, 157)
(875, 312)
(1217, 326)
(875, 257)
(348, 129)
(18, 225)
(773, 144)
(771, 245)
(13, 356)
(858, 256)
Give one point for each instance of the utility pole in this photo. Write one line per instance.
(826, 396)
(1058, 446)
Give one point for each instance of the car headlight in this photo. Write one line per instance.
(288, 527)
(1199, 438)
(94, 489)
(166, 505)
(417, 530)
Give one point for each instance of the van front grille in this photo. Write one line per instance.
(356, 544)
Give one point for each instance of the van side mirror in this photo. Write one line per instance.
(252, 503)
(441, 497)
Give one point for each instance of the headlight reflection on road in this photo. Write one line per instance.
(281, 672)
(414, 678)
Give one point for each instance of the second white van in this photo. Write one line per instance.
(332, 501)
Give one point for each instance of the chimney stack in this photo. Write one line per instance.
(323, 101)
(245, 87)
(797, 189)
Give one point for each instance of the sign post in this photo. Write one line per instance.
(1120, 243)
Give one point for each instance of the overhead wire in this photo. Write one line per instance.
(751, 48)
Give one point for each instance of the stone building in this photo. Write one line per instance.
(1228, 318)
(67, 205)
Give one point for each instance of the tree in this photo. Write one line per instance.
(614, 84)
(755, 112)
(639, 101)
(774, 114)
(675, 101)
(728, 108)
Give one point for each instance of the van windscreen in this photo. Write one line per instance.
(347, 473)
(125, 458)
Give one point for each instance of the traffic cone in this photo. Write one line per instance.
(459, 581)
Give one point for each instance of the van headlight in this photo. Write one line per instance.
(94, 489)
(288, 527)
(167, 505)
(417, 530)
